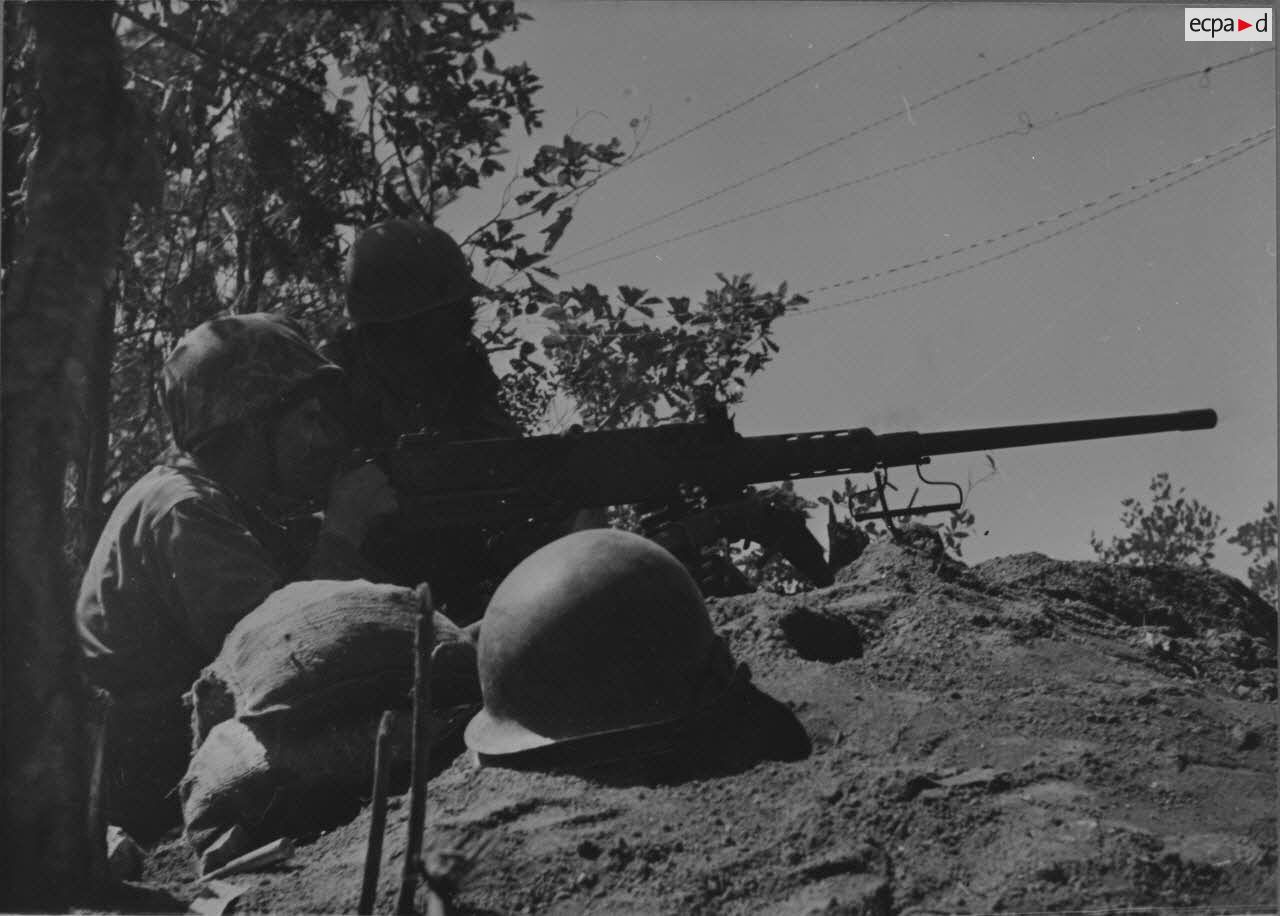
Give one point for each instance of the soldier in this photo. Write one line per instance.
(413, 366)
(412, 363)
(199, 541)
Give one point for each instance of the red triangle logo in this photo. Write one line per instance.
(1243, 25)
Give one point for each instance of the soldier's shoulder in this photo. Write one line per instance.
(167, 486)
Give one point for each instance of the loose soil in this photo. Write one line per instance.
(1020, 735)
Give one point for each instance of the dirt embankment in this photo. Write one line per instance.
(1020, 735)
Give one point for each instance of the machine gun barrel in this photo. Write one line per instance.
(492, 481)
(511, 485)
(860, 451)
(1001, 437)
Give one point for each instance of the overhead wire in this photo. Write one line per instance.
(745, 102)
(1138, 379)
(1209, 161)
(1148, 376)
(780, 83)
(1021, 130)
(1061, 314)
(752, 98)
(1149, 187)
(841, 139)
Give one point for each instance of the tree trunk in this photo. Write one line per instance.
(79, 187)
(93, 458)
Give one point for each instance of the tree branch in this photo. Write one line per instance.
(227, 64)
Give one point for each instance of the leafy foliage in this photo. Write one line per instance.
(281, 130)
(1170, 528)
(1258, 541)
(644, 360)
(19, 102)
(277, 131)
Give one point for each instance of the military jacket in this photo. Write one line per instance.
(180, 561)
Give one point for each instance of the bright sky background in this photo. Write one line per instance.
(1168, 303)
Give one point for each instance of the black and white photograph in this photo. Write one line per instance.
(638, 457)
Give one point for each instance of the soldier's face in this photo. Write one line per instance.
(309, 443)
(426, 333)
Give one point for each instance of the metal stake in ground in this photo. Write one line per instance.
(378, 816)
(423, 637)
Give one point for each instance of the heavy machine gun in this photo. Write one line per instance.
(497, 483)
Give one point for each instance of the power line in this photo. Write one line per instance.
(1205, 163)
(1021, 130)
(739, 105)
(1212, 160)
(782, 82)
(841, 139)
(1038, 224)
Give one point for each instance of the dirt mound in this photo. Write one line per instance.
(1182, 600)
(1024, 734)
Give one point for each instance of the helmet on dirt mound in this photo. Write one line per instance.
(597, 633)
(232, 368)
(401, 268)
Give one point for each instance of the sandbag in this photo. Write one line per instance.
(274, 779)
(318, 649)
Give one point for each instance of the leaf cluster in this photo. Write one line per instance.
(1167, 527)
(642, 359)
(1258, 541)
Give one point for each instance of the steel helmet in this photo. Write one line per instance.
(401, 268)
(232, 368)
(597, 633)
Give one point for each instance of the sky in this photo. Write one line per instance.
(1013, 213)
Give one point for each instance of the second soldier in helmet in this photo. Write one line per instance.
(412, 364)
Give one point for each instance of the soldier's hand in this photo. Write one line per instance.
(357, 498)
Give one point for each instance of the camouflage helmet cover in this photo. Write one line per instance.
(232, 368)
(401, 268)
(599, 633)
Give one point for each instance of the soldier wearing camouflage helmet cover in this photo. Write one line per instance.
(199, 541)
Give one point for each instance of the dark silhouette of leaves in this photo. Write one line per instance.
(1169, 528)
